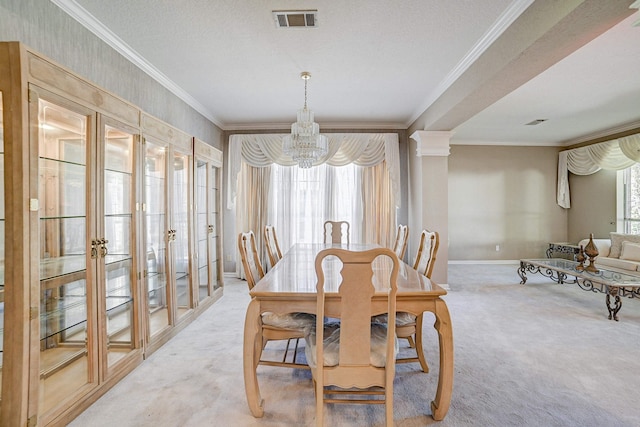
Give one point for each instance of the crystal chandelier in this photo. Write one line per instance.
(305, 145)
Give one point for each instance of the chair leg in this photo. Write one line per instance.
(419, 348)
(388, 402)
(412, 344)
(319, 405)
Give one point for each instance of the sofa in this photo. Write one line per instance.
(619, 252)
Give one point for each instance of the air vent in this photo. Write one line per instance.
(295, 18)
(535, 122)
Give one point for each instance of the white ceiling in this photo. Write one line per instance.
(383, 64)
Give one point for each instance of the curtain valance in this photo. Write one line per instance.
(363, 149)
(616, 154)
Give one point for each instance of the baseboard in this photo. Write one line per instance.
(486, 261)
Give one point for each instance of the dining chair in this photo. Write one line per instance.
(427, 249)
(275, 327)
(336, 232)
(271, 242)
(357, 356)
(409, 326)
(401, 241)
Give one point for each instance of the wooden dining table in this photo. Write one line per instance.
(290, 287)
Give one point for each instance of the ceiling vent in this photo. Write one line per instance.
(295, 18)
(535, 122)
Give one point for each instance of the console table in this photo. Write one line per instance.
(563, 248)
(612, 283)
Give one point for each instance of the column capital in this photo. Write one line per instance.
(432, 143)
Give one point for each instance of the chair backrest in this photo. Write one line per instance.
(401, 241)
(250, 259)
(356, 291)
(425, 260)
(336, 232)
(271, 242)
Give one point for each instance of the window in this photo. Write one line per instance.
(631, 197)
(301, 200)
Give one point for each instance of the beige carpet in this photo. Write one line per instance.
(541, 354)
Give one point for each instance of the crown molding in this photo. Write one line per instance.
(327, 125)
(507, 143)
(80, 14)
(603, 134)
(508, 16)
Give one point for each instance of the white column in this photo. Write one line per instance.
(431, 210)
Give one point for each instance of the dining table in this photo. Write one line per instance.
(290, 286)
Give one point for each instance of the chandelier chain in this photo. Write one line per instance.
(305, 93)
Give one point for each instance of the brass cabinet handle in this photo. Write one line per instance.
(103, 248)
(94, 249)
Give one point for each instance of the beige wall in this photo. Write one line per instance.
(593, 205)
(44, 27)
(504, 196)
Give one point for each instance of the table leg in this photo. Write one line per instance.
(418, 344)
(252, 352)
(440, 405)
(613, 311)
(522, 272)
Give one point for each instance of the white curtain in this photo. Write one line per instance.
(302, 199)
(616, 154)
(363, 149)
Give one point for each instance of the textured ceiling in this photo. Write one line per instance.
(382, 64)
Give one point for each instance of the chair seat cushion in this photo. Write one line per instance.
(332, 344)
(298, 321)
(402, 318)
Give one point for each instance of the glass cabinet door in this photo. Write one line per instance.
(63, 221)
(156, 237)
(206, 180)
(116, 244)
(216, 226)
(180, 232)
(203, 230)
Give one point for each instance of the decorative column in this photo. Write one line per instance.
(429, 193)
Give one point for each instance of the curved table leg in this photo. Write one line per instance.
(522, 272)
(252, 352)
(418, 345)
(613, 310)
(440, 405)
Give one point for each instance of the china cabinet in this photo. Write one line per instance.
(112, 242)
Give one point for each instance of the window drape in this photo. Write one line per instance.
(266, 187)
(616, 154)
(363, 149)
(301, 200)
(253, 190)
(379, 216)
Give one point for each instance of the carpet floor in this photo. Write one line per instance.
(539, 354)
